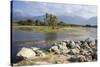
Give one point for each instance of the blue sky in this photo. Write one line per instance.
(29, 8)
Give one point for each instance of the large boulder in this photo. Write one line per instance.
(26, 53)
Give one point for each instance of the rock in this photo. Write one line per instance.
(67, 41)
(75, 51)
(73, 58)
(35, 48)
(79, 43)
(94, 56)
(93, 45)
(62, 47)
(40, 53)
(72, 44)
(77, 46)
(89, 58)
(26, 53)
(63, 44)
(54, 49)
(81, 58)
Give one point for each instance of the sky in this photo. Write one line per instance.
(31, 9)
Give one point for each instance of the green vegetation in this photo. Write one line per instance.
(36, 28)
(51, 20)
(50, 23)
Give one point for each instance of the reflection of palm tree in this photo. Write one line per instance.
(50, 37)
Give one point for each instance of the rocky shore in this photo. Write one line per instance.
(60, 52)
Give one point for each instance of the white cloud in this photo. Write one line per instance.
(39, 8)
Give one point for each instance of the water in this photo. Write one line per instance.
(43, 40)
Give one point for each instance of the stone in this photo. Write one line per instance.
(89, 58)
(75, 51)
(81, 58)
(40, 53)
(72, 43)
(35, 48)
(62, 47)
(54, 49)
(77, 46)
(93, 44)
(26, 53)
(63, 44)
(78, 42)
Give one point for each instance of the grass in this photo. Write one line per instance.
(70, 30)
(36, 28)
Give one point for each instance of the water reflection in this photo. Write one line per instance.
(50, 36)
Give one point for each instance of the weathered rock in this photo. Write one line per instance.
(92, 43)
(62, 47)
(77, 46)
(26, 53)
(75, 51)
(73, 58)
(79, 43)
(35, 48)
(89, 58)
(40, 53)
(63, 44)
(54, 49)
(81, 58)
(72, 44)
